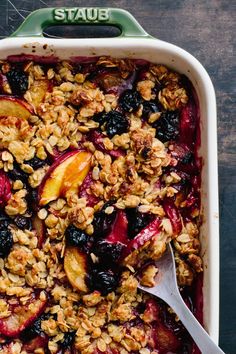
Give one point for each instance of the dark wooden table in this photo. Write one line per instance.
(207, 30)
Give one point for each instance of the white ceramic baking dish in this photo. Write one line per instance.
(134, 42)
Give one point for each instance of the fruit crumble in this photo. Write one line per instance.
(98, 172)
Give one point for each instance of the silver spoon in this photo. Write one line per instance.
(166, 288)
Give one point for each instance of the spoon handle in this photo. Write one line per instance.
(198, 333)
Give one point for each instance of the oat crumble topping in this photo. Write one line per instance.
(91, 155)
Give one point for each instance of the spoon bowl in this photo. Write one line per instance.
(166, 288)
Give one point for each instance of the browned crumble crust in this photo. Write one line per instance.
(130, 179)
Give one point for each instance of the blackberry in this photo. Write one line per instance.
(32, 198)
(18, 81)
(145, 152)
(4, 221)
(68, 339)
(17, 173)
(103, 281)
(167, 126)
(100, 118)
(130, 100)
(114, 122)
(6, 242)
(36, 163)
(34, 329)
(102, 222)
(77, 68)
(137, 221)
(150, 107)
(22, 222)
(108, 253)
(76, 237)
(117, 123)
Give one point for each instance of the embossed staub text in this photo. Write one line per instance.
(81, 14)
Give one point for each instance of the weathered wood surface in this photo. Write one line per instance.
(207, 30)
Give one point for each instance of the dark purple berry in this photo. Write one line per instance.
(36, 163)
(6, 242)
(167, 126)
(68, 339)
(145, 152)
(130, 100)
(18, 81)
(100, 118)
(117, 123)
(32, 199)
(108, 253)
(103, 281)
(17, 173)
(113, 121)
(22, 222)
(77, 68)
(34, 329)
(76, 237)
(102, 222)
(150, 107)
(4, 221)
(137, 221)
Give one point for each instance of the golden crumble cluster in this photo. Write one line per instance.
(98, 172)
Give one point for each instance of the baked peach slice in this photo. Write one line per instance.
(76, 172)
(15, 107)
(64, 176)
(22, 316)
(50, 187)
(75, 265)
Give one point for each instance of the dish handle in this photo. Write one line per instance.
(35, 24)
